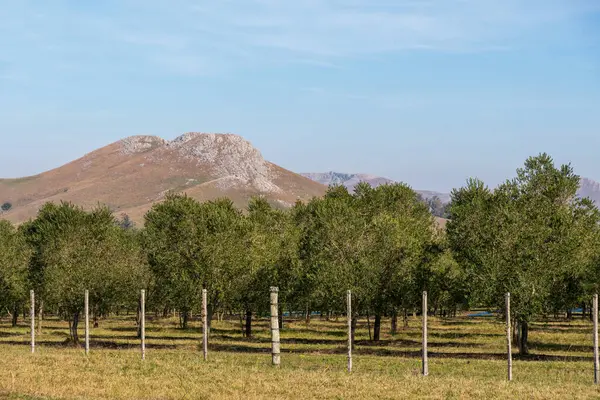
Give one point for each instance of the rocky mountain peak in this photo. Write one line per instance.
(141, 144)
(228, 156)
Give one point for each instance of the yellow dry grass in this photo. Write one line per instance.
(132, 183)
(466, 362)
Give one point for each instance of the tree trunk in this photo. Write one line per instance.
(248, 324)
(394, 327)
(210, 314)
(369, 326)
(523, 338)
(74, 325)
(184, 319)
(308, 312)
(40, 317)
(15, 315)
(583, 310)
(377, 328)
(138, 319)
(405, 319)
(280, 312)
(569, 314)
(353, 329)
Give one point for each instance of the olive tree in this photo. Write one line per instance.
(14, 259)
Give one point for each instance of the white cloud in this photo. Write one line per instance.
(189, 37)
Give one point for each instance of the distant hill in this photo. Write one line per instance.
(351, 180)
(588, 188)
(591, 189)
(134, 173)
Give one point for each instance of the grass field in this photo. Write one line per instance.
(467, 360)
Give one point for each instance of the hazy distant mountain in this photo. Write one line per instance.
(591, 189)
(351, 180)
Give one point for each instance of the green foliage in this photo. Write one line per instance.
(437, 207)
(74, 251)
(14, 257)
(531, 237)
(125, 222)
(371, 242)
(191, 246)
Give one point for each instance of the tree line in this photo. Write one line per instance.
(531, 236)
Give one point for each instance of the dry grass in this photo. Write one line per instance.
(467, 361)
(132, 183)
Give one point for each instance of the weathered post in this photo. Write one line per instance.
(32, 314)
(275, 342)
(595, 311)
(349, 306)
(87, 322)
(205, 325)
(143, 322)
(508, 337)
(424, 355)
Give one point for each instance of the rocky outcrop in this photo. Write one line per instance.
(140, 144)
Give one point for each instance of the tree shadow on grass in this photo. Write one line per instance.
(267, 340)
(471, 321)
(534, 345)
(338, 333)
(450, 335)
(93, 344)
(388, 352)
(551, 329)
(413, 343)
(10, 334)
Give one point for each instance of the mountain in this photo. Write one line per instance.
(351, 180)
(134, 173)
(591, 189)
(588, 187)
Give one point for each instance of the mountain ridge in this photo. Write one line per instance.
(133, 173)
(588, 187)
(350, 180)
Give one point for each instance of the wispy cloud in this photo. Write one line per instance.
(184, 37)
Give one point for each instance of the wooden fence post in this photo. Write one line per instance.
(87, 322)
(595, 318)
(143, 322)
(508, 337)
(32, 313)
(275, 342)
(205, 325)
(349, 306)
(424, 355)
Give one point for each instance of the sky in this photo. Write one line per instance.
(428, 92)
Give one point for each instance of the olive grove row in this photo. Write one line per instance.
(531, 236)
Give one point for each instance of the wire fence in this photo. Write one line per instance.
(570, 362)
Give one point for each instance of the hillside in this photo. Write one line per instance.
(588, 188)
(351, 180)
(591, 189)
(132, 174)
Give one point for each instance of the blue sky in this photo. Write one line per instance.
(429, 92)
